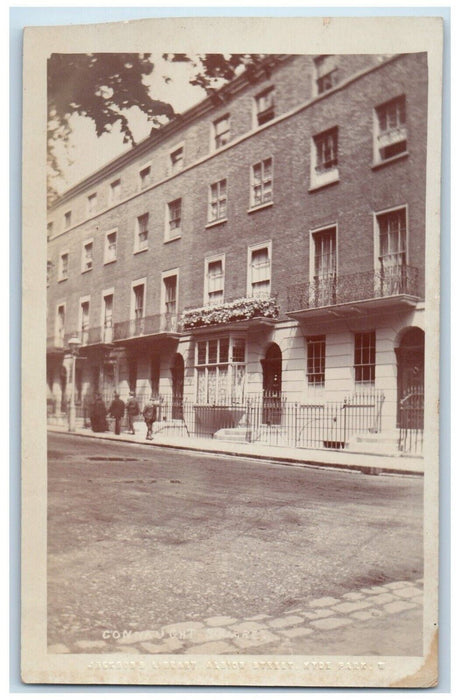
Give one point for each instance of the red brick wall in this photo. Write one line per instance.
(349, 203)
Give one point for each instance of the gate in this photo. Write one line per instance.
(411, 421)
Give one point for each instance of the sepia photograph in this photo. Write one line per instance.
(239, 369)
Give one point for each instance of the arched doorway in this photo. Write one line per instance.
(410, 357)
(177, 374)
(272, 378)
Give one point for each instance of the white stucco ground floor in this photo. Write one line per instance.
(321, 380)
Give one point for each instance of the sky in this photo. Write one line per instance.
(87, 153)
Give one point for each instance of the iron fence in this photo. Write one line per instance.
(272, 420)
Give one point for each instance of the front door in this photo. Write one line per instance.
(411, 378)
(271, 367)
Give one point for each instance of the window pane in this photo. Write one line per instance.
(212, 385)
(201, 385)
(238, 375)
(238, 350)
(201, 354)
(222, 385)
(223, 352)
(212, 358)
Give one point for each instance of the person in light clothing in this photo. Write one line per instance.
(150, 415)
(132, 410)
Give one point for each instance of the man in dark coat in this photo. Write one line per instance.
(132, 410)
(150, 416)
(117, 411)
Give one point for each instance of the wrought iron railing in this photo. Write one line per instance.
(411, 420)
(329, 290)
(269, 420)
(148, 325)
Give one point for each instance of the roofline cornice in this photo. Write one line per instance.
(207, 105)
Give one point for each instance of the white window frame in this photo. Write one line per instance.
(84, 268)
(327, 177)
(312, 234)
(83, 300)
(376, 216)
(112, 199)
(165, 275)
(268, 203)
(315, 341)
(214, 146)
(106, 293)
(178, 147)
(148, 165)
(57, 340)
(108, 260)
(91, 204)
(270, 89)
(219, 219)
(132, 309)
(61, 276)
(172, 234)
(365, 382)
(207, 261)
(206, 366)
(253, 249)
(67, 219)
(402, 131)
(137, 230)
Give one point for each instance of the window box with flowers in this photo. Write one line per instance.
(239, 310)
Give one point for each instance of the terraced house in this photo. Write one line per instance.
(258, 262)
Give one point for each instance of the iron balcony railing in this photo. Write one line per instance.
(108, 334)
(329, 290)
(147, 325)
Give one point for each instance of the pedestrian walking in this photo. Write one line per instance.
(150, 415)
(98, 415)
(132, 410)
(117, 411)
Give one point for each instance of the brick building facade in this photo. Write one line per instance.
(269, 242)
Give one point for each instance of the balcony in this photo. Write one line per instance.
(56, 344)
(241, 313)
(158, 326)
(391, 288)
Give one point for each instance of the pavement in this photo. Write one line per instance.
(365, 462)
(360, 621)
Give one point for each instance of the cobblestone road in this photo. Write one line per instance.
(392, 605)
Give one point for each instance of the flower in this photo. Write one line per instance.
(238, 310)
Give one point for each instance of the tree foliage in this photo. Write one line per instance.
(213, 70)
(105, 86)
(102, 87)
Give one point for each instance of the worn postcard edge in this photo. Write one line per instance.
(207, 35)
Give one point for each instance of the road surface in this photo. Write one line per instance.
(141, 537)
